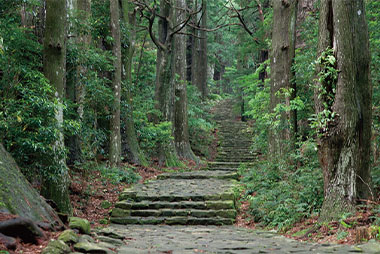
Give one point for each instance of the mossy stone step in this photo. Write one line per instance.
(174, 190)
(185, 197)
(201, 174)
(231, 213)
(180, 220)
(219, 204)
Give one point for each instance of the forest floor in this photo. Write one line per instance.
(89, 191)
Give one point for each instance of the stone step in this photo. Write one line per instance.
(223, 164)
(180, 220)
(201, 174)
(223, 159)
(174, 190)
(235, 158)
(219, 204)
(231, 213)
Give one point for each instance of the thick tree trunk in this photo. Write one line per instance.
(17, 196)
(181, 129)
(164, 93)
(115, 137)
(283, 50)
(55, 186)
(344, 145)
(134, 153)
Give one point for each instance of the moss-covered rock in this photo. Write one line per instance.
(56, 247)
(17, 195)
(69, 236)
(106, 204)
(82, 225)
(87, 247)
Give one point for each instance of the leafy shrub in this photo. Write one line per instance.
(200, 123)
(281, 195)
(120, 175)
(28, 127)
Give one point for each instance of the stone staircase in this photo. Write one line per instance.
(204, 197)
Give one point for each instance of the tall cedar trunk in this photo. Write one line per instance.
(115, 138)
(283, 50)
(181, 129)
(72, 142)
(195, 44)
(84, 7)
(344, 148)
(202, 54)
(164, 93)
(56, 189)
(134, 153)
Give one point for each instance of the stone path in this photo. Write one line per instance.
(178, 212)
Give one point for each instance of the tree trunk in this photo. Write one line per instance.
(202, 54)
(181, 129)
(195, 45)
(344, 144)
(115, 137)
(134, 153)
(17, 196)
(73, 141)
(164, 93)
(56, 185)
(283, 50)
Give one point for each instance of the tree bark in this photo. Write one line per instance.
(164, 93)
(181, 129)
(344, 146)
(134, 153)
(56, 185)
(202, 54)
(283, 50)
(115, 137)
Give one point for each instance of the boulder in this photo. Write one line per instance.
(18, 196)
(69, 236)
(56, 247)
(80, 224)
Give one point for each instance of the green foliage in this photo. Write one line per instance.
(120, 175)
(281, 194)
(28, 127)
(200, 123)
(327, 78)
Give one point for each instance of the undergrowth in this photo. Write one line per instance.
(281, 192)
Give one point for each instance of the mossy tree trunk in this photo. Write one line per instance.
(282, 55)
(181, 128)
(344, 146)
(55, 186)
(115, 136)
(164, 93)
(134, 153)
(17, 196)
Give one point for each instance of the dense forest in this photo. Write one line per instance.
(113, 86)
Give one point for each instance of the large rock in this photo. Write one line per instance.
(81, 224)
(17, 195)
(87, 247)
(56, 247)
(69, 236)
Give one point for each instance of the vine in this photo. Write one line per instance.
(327, 78)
